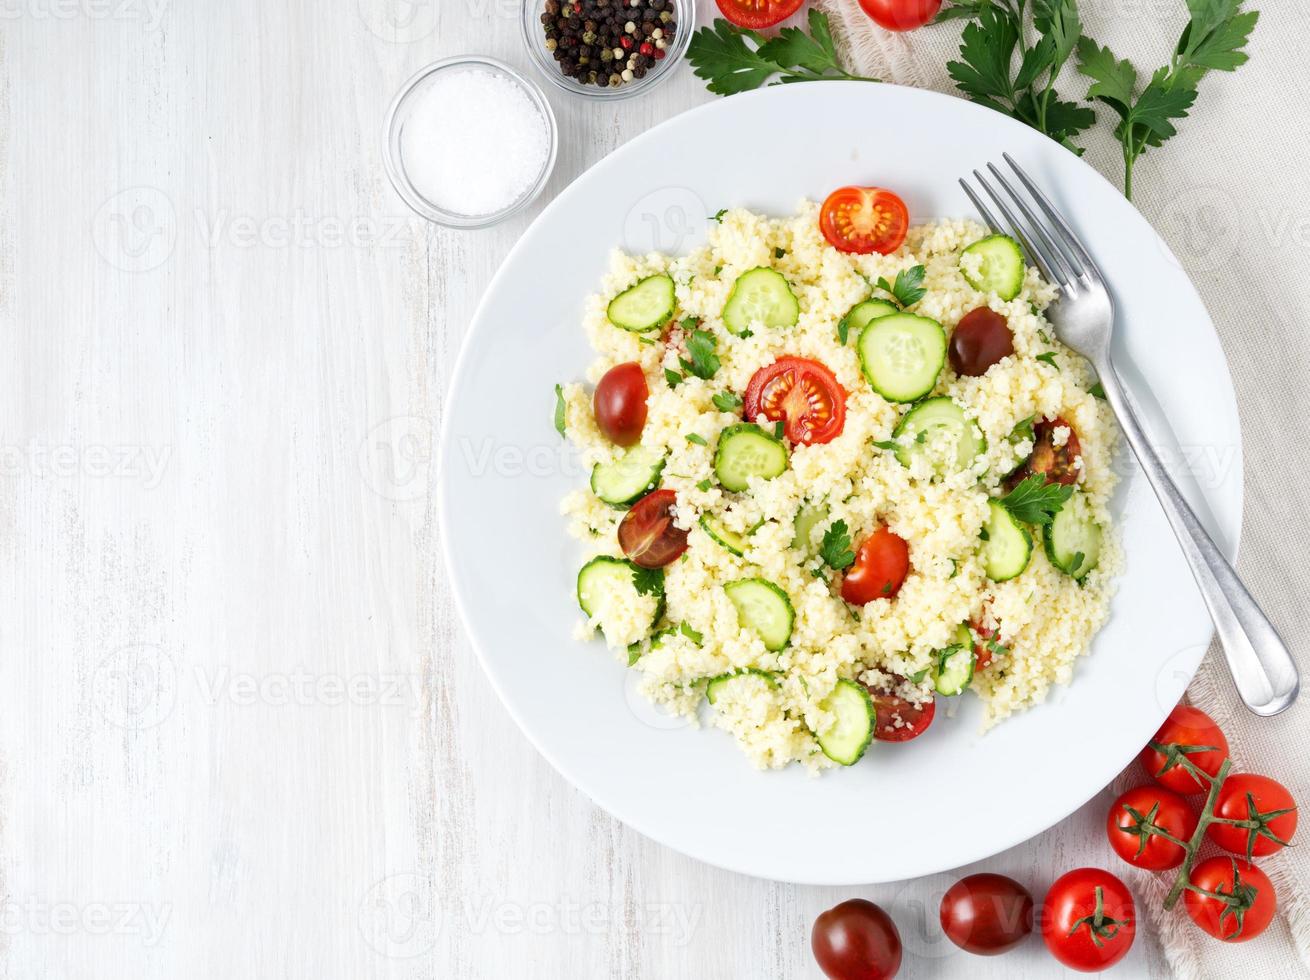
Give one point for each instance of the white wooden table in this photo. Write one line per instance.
(244, 735)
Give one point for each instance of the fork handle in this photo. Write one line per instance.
(1261, 665)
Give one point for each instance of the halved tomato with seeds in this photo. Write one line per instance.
(982, 648)
(801, 393)
(1059, 464)
(758, 14)
(864, 220)
(897, 719)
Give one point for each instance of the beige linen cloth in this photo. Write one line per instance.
(1231, 195)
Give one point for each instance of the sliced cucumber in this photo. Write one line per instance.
(760, 295)
(739, 682)
(851, 731)
(859, 315)
(953, 667)
(1008, 545)
(644, 307)
(628, 478)
(735, 543)
(607, 585)
(922, 424)
(902, 355)
(746, 450)
(1073, 540)
(1001, 269)
(808, 518)
(764, 609)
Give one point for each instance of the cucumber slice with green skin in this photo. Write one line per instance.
(764, 609)
(902, 355)
(1008, 545)
(921, 424)
(953, 668)
(605, 582)
(735, 543)
(628, 478)
(746, 450)
(644, 307)
(725, 683)
(760, 295)
(808, 518)
(845, 740)
(1002, 267)
(859, 315)
(1073, 540)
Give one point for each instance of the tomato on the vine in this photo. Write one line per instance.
(987, 914)
(1188, 733)
(897, 719)
(1266, 810)
(758, 14)
(1089, 920)
(647, 533)
(801, 393)
(1141, 823)
(1230, 899)
(881, 564)
(864, 220)
(901, 15)
(856, 940)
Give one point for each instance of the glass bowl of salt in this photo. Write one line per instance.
(469, 142)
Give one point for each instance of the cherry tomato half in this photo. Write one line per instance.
(620, 403)
(856, 940)
(1088, 921)
(980, 340)
(1242, 900)
(987, 914)
(879, 570)
(1057, 463)
(982, 650)
(897, 720)
(1193, 735)
(1135, 820)
(1267, 808)
(647, 533)
(758, 14)
(901, 15)
(864, 220)
(802, 392)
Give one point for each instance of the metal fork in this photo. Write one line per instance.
(1083, 316)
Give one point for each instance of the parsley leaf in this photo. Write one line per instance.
(779, 253)
(718, 216)
(891, 445)
(704, 485)
(734, 59)
(1023, 430)
(559, 409)
(703, 361)
(908, 287)
(1048, 358)
(836, 548)
(672, 377)
(1096, 391)
(647, 581)
(727, 401)
(1034, 501)
(960, 10)
(697, 439)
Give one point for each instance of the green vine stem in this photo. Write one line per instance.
(1206, 819)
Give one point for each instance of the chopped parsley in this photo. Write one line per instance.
(1096, 391)
(836, 547)
(704, 485)
(701, 360)
(559, 409)
(718, 215)
(648, 581)
(727, 401)
(908, 287)
(1034, 501)
(672, 377)
(697, 439)
(1048, 358)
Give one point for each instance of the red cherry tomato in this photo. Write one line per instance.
(647, 533)
(901, 15)
(758, 14)
(1193, 735)
(864, 220)
(1135, 819)
(980, 340)
(620, 403)
(1088, 921)
(987, 914)
(1241, 903)
(879, 569)
(1057, 463)
(802, 392)
(982, 651)
(856, 940)
(1264, 805)
(896, 719)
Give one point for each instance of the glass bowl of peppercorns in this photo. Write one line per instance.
(607, 49)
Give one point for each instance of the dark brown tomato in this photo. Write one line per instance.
(979, 340)
(987, 914)
(1057, 463)
(647, 533)
(856, 940)
(620, 403)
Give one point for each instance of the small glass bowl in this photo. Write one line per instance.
(398, 115)
(534, 39)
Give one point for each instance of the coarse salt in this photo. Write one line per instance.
(475, 143)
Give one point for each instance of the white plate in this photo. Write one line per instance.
(952, 796)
